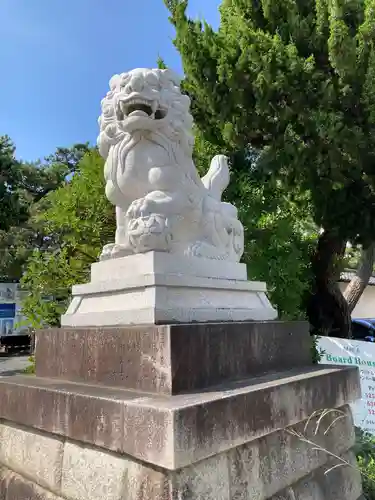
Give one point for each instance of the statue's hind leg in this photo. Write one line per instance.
(121, 245)
(121, 227)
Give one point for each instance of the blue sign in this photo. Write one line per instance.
(7, 310)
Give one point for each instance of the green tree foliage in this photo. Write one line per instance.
(12, 208)
(33, 182)
(160, 63)
(279, 231)
(294, 80)
(77, 223)
(41, 177)
(365, 451)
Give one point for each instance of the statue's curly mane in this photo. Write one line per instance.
(165, 87)
(161, 202)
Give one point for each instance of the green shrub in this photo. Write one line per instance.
(316, 353)
(365, 451)
(31, 368)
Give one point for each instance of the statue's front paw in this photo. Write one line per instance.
(107, 251)
(120, 251)
(136, 209)
(142, 207)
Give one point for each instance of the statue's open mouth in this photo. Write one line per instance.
(142, 107)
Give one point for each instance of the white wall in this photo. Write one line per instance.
(366, 304)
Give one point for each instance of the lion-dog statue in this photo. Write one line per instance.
(161, 202)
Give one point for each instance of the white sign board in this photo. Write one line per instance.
(361, 354)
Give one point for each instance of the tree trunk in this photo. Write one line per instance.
(354, 290)
(327, 308)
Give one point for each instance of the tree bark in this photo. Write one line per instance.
(327, 308)
(354, 290)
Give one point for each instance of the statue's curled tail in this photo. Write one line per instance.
(217, 178)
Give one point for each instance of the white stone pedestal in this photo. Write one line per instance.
(157, 288)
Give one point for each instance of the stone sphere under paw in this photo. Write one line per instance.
(149, 233)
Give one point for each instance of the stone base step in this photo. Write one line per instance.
(175, 431)
(172, 359)
(161, 288)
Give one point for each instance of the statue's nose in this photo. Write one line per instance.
(135, 85)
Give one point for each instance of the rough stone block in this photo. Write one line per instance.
(206, 480)
(13, 486)
(32, 453)
(281, 466)
(172, 359)
(327, 483)
(90, 474)
(146, 483)
(268, 465)
(342, 482)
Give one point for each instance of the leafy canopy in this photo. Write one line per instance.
(293, 79)
(33, 181)
(78, 222)
(279, 231)
(12, 207)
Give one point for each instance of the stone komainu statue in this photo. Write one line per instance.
(161, 202)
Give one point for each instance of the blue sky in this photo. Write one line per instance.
(57, 56)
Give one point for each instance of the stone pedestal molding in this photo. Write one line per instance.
(160, 288)
(178, 412)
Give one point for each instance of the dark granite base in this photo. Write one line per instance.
(172, 359)
(173, 432)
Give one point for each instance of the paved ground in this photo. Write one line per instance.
(11, 364)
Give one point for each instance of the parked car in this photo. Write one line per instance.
(363, 329)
